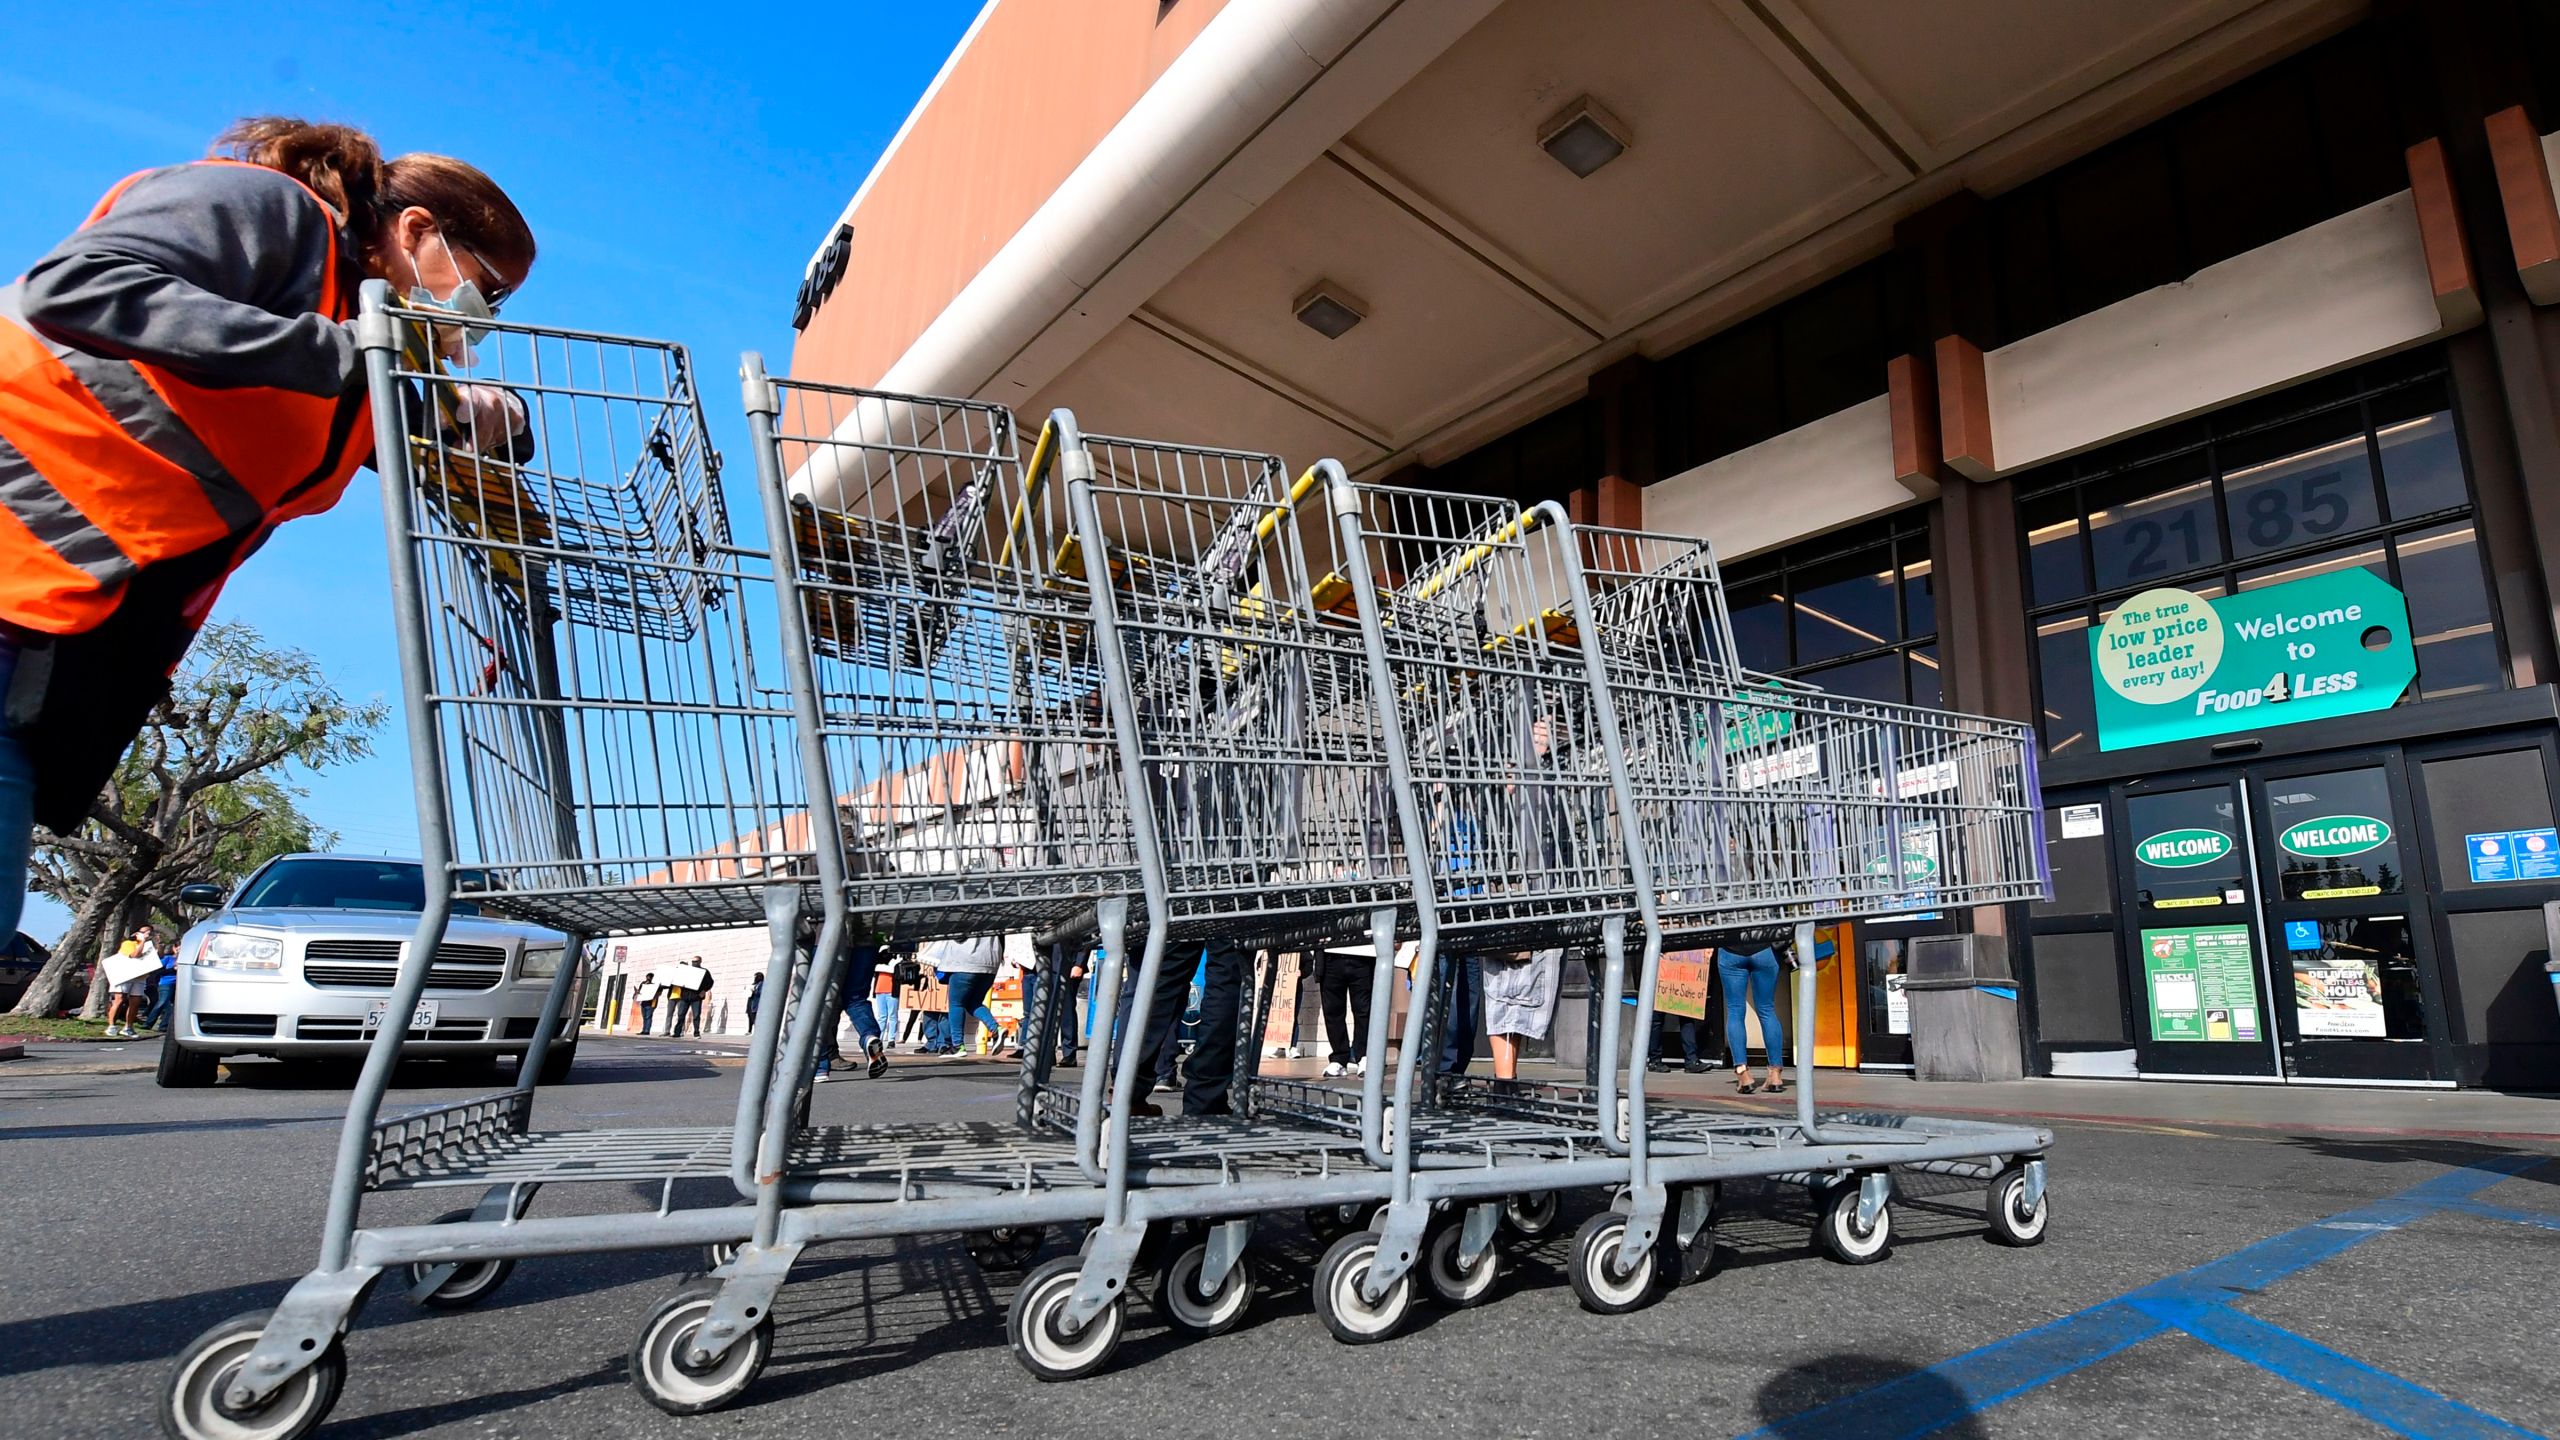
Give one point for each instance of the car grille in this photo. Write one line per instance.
(374, 964)
(235, 1026)
(351, 1027)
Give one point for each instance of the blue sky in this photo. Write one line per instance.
(679, 164)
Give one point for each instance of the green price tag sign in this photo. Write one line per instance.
(2170, 664)
(1748, 727)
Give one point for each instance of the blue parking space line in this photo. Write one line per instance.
(2510, 1214)
(2385, 1399)
(1928, 1400)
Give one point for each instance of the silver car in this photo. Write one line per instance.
(299, 962)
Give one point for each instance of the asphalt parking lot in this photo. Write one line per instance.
(2198, 1281)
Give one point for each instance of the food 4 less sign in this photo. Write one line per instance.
(2171, 665)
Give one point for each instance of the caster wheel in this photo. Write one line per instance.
(1329, 1223)
(1691, 1261)
(1452, 1284)
(2005, 1206)
(1353, 1318)
(1532, 1217)
(468, 1285)
(1187, 1308)
(668, 1379)
(193, 1407)
(1007, 1247)
(1036, 1325)
(1598, 1283)
(1165, 1239)
(1837, 1231)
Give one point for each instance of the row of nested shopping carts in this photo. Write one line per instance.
(1136, 698)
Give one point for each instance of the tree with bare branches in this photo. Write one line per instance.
(203, 795)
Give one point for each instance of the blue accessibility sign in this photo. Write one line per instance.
(2302, 934)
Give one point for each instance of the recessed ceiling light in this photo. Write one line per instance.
(1329, 310)
(1583, 137)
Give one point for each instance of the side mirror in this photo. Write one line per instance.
(471, 882)
(208, 896)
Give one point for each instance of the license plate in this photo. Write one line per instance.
(423, 1019)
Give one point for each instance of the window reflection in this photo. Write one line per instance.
(1845, 605)
(2149, 524)
(2297, 484)
(1878, 677)
(2054, 568)
(2070, 710)
(2449, 614)
(2421, 459)
(1854, 613)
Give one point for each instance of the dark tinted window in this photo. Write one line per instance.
(341, 884)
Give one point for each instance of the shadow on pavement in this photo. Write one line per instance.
(1840, 1396)
(2457, 1154)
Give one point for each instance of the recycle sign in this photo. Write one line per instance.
(2169, 664)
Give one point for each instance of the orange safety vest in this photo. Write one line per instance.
(134, 465)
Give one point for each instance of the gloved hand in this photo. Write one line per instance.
(487, 418)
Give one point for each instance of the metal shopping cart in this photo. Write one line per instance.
(1759, 802)
(970, 705)
(595, 748)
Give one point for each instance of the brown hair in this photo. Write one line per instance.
(343, 166)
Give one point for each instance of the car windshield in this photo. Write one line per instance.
(342, 885)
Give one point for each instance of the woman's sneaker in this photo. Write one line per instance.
(1335, 1070)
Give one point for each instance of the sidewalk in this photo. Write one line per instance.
(2156, 1104)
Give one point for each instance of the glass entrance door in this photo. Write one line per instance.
(2191, 926)
(2347, 932)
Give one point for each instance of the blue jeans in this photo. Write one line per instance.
(17, 809)
(968, 997)
(1068, 993)
(1753, 975)
(1459, 983)
(854, 993)
(163, 996)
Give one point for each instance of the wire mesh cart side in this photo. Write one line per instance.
(1487, 715)
(1752, 801)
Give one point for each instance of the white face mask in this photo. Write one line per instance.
(465, 301)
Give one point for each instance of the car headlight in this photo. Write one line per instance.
(233, 950)
(539, 964)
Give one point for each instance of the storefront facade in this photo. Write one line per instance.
(2202, 407)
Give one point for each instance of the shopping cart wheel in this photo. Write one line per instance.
(668, 1378)
(1187, 1308)
(1006, 1247)
(1035, 1324)
(193, 1407)
(1692, 1259)
(1353, 1318)
(1837, 1232)
(468, 1285)
(1598, 1283)
(1329, 1223)
(1451, 1284)
(1532, 1217)
(2004, 1204)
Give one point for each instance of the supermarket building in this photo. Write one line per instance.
(2180, 375)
